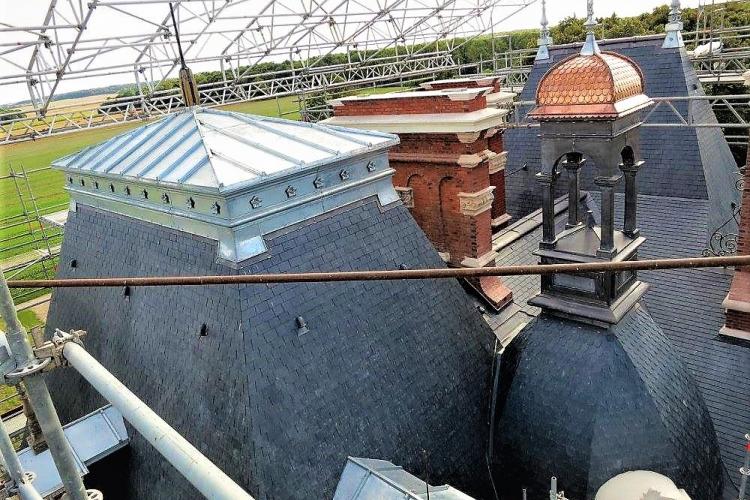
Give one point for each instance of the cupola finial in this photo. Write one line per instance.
(545, 40)
(590, 47)
(673, 28)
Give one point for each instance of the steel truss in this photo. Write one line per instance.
(135, 39)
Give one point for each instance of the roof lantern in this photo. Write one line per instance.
(588, 107)
(592, 85)
(229, 176)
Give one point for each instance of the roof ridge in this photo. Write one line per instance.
(206, 148)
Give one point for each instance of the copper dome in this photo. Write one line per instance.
(598, 87)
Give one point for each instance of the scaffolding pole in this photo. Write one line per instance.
(39, 396)
(387, 275)
(21, 480)
(207, 478)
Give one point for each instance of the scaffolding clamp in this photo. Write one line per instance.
(48, 355)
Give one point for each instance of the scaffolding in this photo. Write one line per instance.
(29, 244)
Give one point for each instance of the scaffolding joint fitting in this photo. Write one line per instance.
(59, 340)
(49, 355)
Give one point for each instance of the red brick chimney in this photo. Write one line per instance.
(737, 302)
(449, 155)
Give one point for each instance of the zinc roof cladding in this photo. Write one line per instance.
(220, 150)
(603, 84)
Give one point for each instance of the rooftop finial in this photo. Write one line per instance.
(590, 47)
(674, 27)
(545, 40)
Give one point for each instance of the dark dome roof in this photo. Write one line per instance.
(602, 85)
(584, 404)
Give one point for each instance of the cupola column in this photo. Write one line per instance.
(573, 164)
(548, 180)
(607, 185)
(629, 170)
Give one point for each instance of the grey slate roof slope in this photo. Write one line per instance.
(680, 162)
(386, 369)
(584, 404)
(686, 304)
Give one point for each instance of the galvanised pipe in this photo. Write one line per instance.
(207, 478)
(27, 492)
(40, 400)
(407, 274)
(13, 465)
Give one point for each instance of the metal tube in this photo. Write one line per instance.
(191, 463)
(27, 492)
(40, 399)
(10, 459)
(407, 274)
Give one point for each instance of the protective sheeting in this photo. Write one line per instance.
(217, 149)
(92, 438)
(371, 479)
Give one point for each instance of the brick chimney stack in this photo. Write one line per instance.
(449, 167)
(737, 302)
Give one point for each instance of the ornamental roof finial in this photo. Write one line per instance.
(545, 40)
(590, 47)
(673, 27)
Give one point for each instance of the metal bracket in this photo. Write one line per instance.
(22, 372)
(48, 355)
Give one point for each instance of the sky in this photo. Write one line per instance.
(31, 13)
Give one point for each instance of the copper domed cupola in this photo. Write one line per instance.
(588, 106)
(602, 86)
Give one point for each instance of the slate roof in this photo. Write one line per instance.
(584, 404)
(280, 410)
(220, 149)
(681, 162)
(686, 304)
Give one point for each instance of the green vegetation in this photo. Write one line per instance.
(11, 114)
(28, 319)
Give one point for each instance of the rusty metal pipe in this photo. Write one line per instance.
(383, 275)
